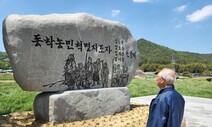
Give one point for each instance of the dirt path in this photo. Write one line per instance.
(7, 80)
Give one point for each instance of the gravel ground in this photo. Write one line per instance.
(135, 117)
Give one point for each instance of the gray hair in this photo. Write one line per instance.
(168, 75)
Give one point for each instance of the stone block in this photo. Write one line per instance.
(78, 105)
(69, 51)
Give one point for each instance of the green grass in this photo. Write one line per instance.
(142, 87)
(197, 87)
(6, 77)
(14, 99)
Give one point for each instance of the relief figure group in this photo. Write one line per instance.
(93, 74)
(79, 76)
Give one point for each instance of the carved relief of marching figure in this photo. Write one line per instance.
(124, 76)
(89, 73)
(115, 79)
(104, 75)
(96, 69)
(69, 70)
(80, 76)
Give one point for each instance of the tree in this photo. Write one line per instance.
(196, 67)
(5, 65)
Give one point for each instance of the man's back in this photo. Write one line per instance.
(166, 109)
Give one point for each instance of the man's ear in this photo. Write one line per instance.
(162, 80)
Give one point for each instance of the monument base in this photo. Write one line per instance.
(68, 106)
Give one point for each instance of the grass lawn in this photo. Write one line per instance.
(197, 87)
(142, 87)
(6, 76)
(14, 99)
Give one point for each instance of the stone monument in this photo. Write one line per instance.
(70, 57)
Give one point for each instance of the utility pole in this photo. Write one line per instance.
(173, 62)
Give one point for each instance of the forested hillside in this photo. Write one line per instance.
(153, 53)
(153, 57)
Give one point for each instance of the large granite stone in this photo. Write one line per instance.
(69, 51)
(81, 104)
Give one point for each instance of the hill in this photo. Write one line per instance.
(157, 54)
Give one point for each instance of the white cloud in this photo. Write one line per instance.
(115, 13)
(200, 15)
(141, 1)
(178, 26)
(181, 8)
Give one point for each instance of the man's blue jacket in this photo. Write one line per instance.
(166, 110)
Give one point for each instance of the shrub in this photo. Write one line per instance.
(209, 79)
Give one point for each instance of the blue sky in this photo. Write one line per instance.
(182, 25)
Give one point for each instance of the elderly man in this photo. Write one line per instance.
(166, 110)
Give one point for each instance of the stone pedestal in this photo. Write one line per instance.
(78, 105)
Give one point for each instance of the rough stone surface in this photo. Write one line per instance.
(69, 51)
(81, 104)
